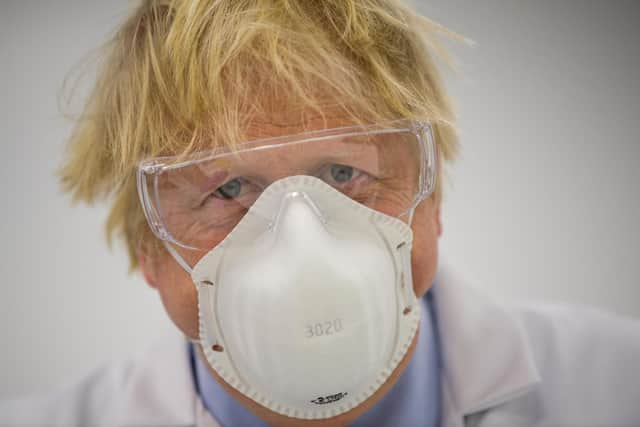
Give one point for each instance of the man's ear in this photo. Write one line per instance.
(148, 268)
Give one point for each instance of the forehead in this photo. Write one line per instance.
(283, 122)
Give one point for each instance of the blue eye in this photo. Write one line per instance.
(341, 173)
(230, 190)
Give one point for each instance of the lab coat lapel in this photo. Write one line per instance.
(485, 356)
(160, 391)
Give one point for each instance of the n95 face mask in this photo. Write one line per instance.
(307, 306)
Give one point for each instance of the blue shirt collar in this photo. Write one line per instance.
(413, 401)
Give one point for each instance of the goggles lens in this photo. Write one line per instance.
(196, 202)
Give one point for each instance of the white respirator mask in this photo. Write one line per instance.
(307, 306)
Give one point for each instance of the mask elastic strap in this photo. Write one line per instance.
(413, 209)
(186, 267)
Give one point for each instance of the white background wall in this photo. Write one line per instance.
(544, 202)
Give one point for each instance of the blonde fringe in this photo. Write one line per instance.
(179, 76)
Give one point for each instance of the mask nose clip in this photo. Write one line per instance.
(292, 198)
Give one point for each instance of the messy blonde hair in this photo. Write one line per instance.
(181, 75)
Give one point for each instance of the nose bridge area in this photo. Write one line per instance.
(298, 216)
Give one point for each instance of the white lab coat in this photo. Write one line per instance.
(503, 365)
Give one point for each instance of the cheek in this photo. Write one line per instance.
(424, 256)
(179, 296)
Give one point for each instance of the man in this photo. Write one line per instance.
(274, 168)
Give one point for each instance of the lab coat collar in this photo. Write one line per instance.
(160, 390)
(486, 359)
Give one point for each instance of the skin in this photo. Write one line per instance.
(179, 295)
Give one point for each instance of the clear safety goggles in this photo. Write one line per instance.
(195, 201)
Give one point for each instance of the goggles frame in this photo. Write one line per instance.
(153, 167)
